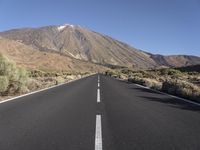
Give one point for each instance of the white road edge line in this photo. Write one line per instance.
(98, 95)
(185, 100)
(10, 99)
(98, 134)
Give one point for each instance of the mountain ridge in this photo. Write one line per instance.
(84, 44)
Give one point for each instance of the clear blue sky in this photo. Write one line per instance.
(157, 26)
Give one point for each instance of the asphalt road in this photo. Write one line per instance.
(109, 115)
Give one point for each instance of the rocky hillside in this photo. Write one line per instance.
(83, 44)
(176, 60)
(31, 58)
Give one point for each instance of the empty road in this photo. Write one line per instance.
(99, 113)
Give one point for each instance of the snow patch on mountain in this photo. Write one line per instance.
(60, 28)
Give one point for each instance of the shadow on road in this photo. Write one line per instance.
(149, 95)
(161, 98)
(147, 90)
(172, 102)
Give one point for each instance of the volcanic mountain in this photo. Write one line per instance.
(83, 44)
(28, 57)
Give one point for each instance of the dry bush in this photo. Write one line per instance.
(113, 73)
(152, 83)
(169, 71)
(169, 80)
(33, 84)
(59, 80)
(127, 71)
(37, 73)
(17, 77)
(182, 88)
(3, 84)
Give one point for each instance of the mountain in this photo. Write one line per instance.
(83, 44)
(31, 58)
(176, 60)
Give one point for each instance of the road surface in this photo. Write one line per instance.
(99, 113)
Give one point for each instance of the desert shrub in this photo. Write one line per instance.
(3, 84)
(70, 77)
(59, 80)
(37, 73)
(127, 71)
(193, 73)
(33, 84)
(85, 73)
(3, 64)
(109, 73)
(113, 73)
(169, 71)
(136, 80)
(182, 88)
(138, 74)
(123, 76)
(22, 80)
(152, 83)
(145, 74)
(7, 67)
(17, 77)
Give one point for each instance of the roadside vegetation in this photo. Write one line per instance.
(12, 78)
(42, 79)
(16, 80)
(185, 84)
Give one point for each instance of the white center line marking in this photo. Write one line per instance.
(98, 95)
(98, 84)
(98, 133)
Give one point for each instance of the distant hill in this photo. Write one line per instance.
(176, 60)
(73, 41)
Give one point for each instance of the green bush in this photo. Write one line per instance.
(3, 84)
(22, 80)
(16, 77)
(3, 64)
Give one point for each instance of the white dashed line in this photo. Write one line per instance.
(98, 95)
(98, 133)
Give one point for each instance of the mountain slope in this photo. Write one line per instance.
(176, 60)
(28, 57)
(83, 44)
